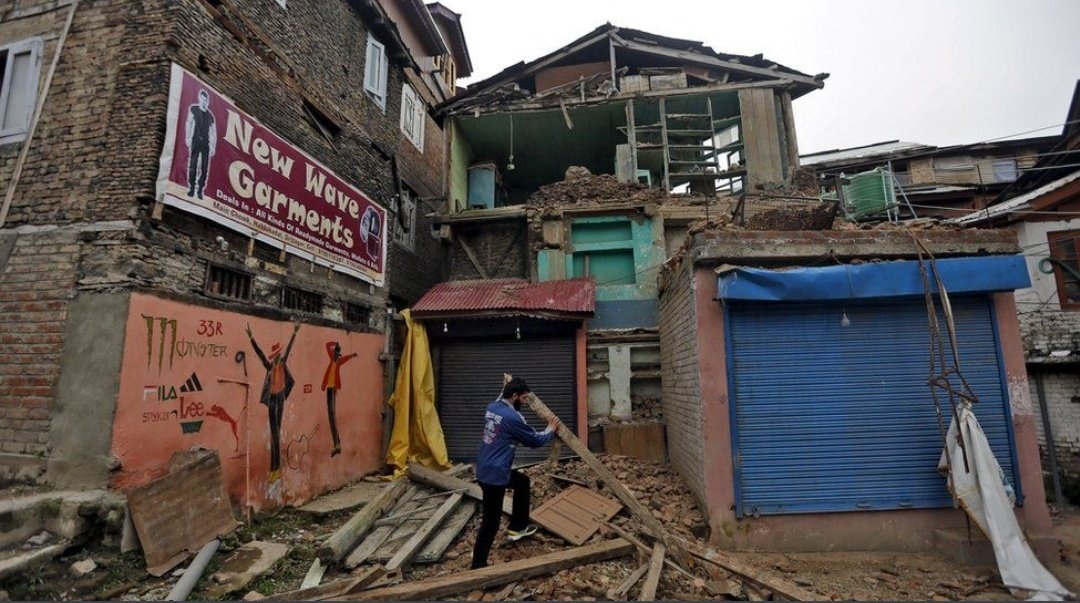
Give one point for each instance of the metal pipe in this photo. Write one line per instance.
(1045, 412)
(194, 571)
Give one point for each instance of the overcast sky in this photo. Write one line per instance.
(938, 72)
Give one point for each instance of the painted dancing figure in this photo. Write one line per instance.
(331, 383)
(276, 388)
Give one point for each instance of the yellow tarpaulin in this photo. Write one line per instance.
(417, 436)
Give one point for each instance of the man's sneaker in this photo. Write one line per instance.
(515, 535)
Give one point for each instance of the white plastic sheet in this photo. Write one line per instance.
(981, 491)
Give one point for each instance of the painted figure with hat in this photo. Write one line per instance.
(276, 388)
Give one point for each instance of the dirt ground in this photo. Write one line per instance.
(831, 576)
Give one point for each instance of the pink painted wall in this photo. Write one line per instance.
(183, 392)
(880, 530)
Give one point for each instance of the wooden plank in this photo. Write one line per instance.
(367, 548)
(575, 513)
(332, 589)
(625, 535)
(619, 592)
(182, 510)
(652, 579)
(314, 574)
(632, 504)
(639, 440)
(345, 538)
(436, 547)
(405, 555)
(782, 588)
(497, 575)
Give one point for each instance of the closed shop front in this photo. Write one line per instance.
(482, 329)
(840, 418)
(470, 378)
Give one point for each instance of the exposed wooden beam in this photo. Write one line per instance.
(540, 107)
(472, 257)
(497, 575)
(694, 57)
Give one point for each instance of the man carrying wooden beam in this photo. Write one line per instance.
(504, 428)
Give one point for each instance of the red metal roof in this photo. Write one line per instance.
(572, 297)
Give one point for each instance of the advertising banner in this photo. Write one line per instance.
(220, 163)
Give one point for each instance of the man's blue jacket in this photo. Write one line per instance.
(504, 429)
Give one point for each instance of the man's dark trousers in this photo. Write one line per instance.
(492, 509)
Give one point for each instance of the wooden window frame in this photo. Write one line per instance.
(215, 275)
(16, 132)
(376, 67)
(1071, 237)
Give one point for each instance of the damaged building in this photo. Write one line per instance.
(781, 350)
(1041, 207)
(209, 207)
(560, 170)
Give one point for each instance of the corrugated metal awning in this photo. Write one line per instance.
(574, 298)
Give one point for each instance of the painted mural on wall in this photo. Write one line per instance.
(223, 164)
(252, 389)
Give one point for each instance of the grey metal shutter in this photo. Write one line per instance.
(833, 418)
(470, 377)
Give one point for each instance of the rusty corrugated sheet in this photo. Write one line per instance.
(575, 296)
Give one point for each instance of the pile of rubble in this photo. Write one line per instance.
(580, 187)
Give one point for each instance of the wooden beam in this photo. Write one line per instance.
(783, 589)
(652, 579)
(405, 554)
(702, 59)
(497, 575)
(345, 538)
(632, 504)
(332, 589)
(438, 479)
(314, 574)
(472, 258)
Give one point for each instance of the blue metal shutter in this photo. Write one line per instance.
(833, 418)
(470, 377)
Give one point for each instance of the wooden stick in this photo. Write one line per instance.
(497, 575)
(619, 593)
(505, 592)
(652, 579)
(406, 553)
(784, 589)
(332, 589)
(632, 504)
(340, 542)
(626, 535)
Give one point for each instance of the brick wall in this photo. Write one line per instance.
(680, 382)
(1046, 331)
(1062, 391)
(94, 162)
(494, 245)
(36, 278)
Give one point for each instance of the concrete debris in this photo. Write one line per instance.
(38, 539)
(82, 568)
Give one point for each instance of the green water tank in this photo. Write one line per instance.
(869, 194)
